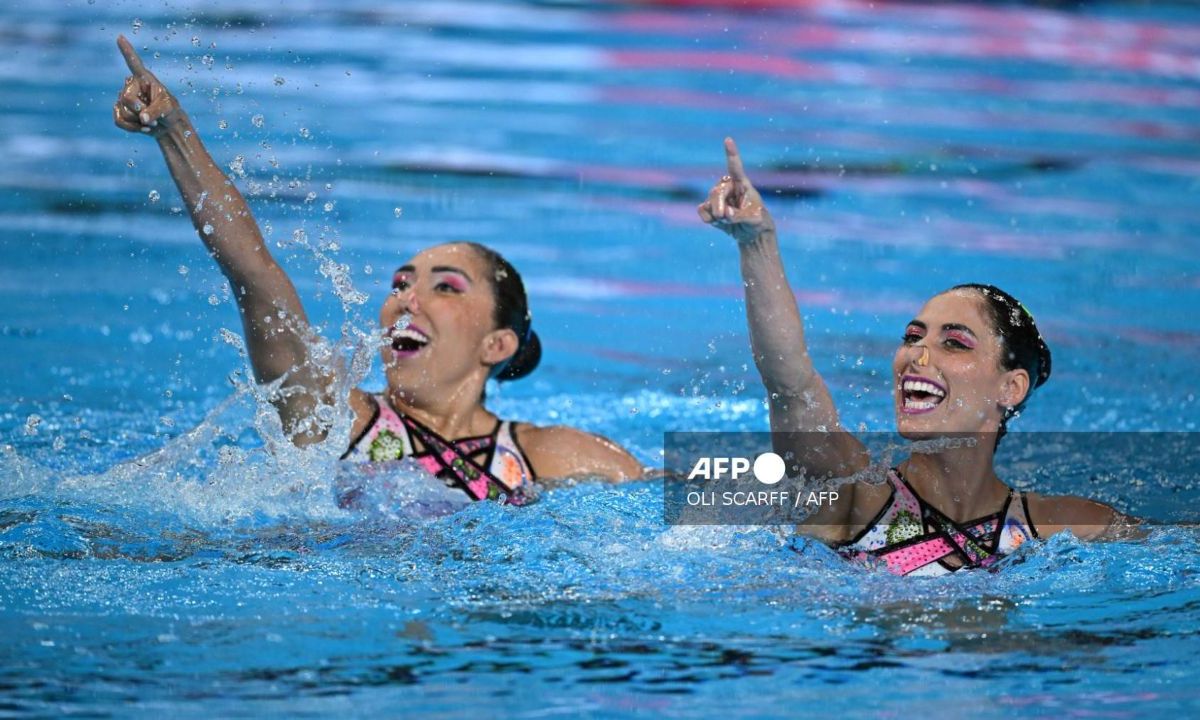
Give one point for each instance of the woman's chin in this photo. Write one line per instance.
(925, 425)
(401, 374)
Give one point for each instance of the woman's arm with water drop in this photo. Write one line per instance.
(801, 408)
(273, 320)
(1086, 519)
(560, 453)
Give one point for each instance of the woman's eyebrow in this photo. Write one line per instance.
(960, 327)
(918, 323)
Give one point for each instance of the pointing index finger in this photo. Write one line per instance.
(131, 57)
(734, 161)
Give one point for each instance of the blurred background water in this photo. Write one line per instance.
(159, 555)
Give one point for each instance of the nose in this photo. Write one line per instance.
(919, 354)
(407, 299)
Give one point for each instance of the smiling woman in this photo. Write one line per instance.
(456, 317)
(966, 365)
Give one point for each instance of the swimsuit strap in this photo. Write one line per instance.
(909, 535)
(975, 541)
(451, 460)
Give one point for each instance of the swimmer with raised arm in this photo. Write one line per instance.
(457, 316)
(966, 364)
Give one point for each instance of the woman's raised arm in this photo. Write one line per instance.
(803, 415)
(273, 320)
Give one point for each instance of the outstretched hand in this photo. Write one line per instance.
(733, 205)
(144, 105)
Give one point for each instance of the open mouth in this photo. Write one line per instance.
(407, 342)
(920, 395)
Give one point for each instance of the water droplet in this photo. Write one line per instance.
(258, 121)
(310, 197)
(279, 80)
(195, 41)
(154, 196)
(59, 443)
(130, 163)
(304, 133)
(137, 25)
(214, 300)
(367, 269)
(183, 269)
(223, 124)
(398, 212)
(329, 207)
(207, 229)
(31, 424)
(238, 166)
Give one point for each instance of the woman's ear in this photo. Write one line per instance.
(1015, 388)
(499, 345)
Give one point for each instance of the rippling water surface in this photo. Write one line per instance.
(160, 553)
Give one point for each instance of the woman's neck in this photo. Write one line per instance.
(960, 481)
(455, 414)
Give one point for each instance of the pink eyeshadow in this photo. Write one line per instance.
(963, 338)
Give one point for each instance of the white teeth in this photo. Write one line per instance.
(409, 334)
(919, 386)
(918, 405)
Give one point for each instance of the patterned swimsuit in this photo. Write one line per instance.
(911, 537)
(485, 467)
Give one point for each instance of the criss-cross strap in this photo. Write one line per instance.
(453, 461)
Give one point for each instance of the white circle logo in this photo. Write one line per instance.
(768, 468)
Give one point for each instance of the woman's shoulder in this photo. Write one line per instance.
(1086, 519)
(859, 506)
(366, 409)
(559, 451)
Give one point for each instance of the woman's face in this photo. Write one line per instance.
(447, 344)
(947, 370)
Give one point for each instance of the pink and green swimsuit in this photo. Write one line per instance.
(911, 537)
(485, 467)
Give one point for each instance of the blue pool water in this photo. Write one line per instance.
(161, 553)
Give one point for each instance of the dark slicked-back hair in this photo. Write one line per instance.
(512, 311)
(1021, 343)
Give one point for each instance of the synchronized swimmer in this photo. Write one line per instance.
(966, 365)
(456, 317)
